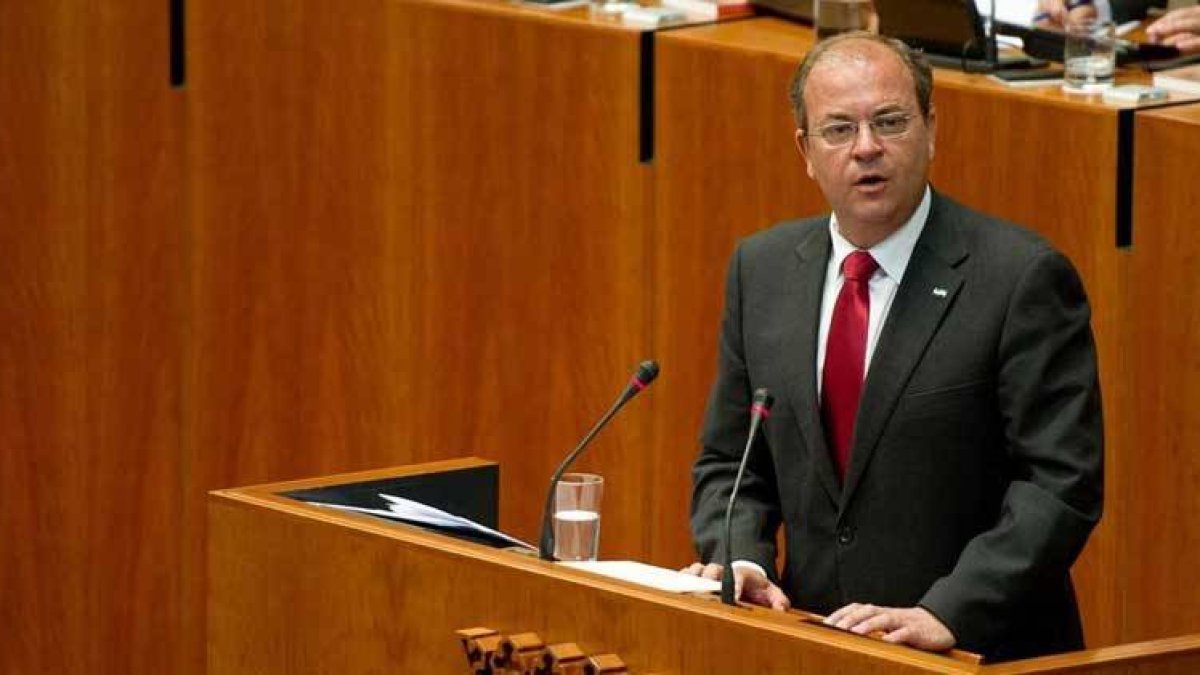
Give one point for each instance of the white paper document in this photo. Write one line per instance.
(409, 511)
(648, 575)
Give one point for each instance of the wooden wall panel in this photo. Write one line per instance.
(90, 235)
(988, 147)
(725, 167)
(1161, 549)
(418, 233)
(526, 267)
(1039, 159)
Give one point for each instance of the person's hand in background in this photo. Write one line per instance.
(1054, 14)
(1179, 28)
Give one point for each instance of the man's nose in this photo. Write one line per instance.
(866, 143)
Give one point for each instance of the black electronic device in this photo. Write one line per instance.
(1049, 44)
(1028, 77)
(949, 32)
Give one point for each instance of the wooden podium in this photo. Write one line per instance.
(296, 588)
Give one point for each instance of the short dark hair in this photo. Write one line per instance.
(915, 61)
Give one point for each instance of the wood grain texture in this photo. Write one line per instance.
(418, 229)
(1041, 159)
(418, 232)
(90, 248)
(299, 589)
(366, 597)
(1162, 550)
(725, 167)
(1170, 656)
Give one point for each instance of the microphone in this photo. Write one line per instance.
(993, 53)
(760, 410)
(646, 372)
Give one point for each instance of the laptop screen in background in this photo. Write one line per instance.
(950, 28)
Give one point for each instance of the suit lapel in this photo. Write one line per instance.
(813, 253)
(927, 291)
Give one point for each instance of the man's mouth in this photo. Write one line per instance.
(869, 180)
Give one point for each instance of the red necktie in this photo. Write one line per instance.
(845, 355)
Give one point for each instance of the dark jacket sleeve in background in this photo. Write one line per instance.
(1133, 10)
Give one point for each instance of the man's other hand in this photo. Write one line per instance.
(1179, 28)
(912, 626)
(749, 584)
(1054, 13)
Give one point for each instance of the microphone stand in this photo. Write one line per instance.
(993, 51)
(647, 371)
(759, 410)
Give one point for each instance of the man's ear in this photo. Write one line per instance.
(801, 140)
(932, 124)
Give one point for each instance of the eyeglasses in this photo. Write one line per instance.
(890, 125)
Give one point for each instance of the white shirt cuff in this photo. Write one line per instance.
(749, 565)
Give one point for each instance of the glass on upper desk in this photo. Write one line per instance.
(831, 17)
(1090, 56)
(609, 10)
(577, 498)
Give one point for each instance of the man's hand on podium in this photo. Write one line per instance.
(912, 626)
(750, 585)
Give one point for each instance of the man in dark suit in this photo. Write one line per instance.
(934, 454)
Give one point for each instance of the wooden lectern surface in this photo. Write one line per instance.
(299, 589)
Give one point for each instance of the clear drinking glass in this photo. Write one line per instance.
(577, 516)
(1090, 56)
(609, 10)
(831, 17)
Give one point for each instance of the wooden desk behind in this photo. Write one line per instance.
(1160, 551)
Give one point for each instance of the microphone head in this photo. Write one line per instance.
(763, 400)
(646, 372)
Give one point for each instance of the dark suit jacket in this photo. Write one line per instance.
(977, 464)
(1131, 10)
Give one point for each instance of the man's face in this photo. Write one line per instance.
(873, 182)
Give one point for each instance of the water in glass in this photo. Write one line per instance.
(576, 534)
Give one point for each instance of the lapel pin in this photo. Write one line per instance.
(940, 292)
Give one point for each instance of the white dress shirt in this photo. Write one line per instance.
(892, 255)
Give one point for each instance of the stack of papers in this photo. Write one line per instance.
(416, 513)
(648, 575)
